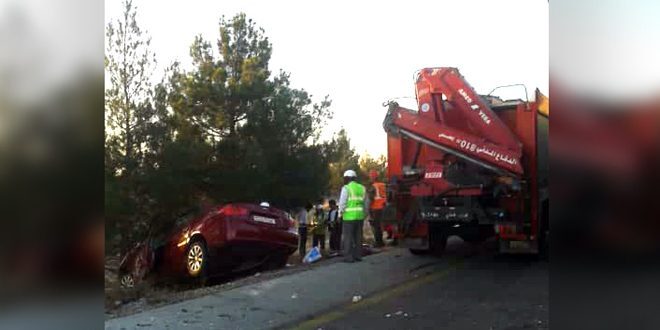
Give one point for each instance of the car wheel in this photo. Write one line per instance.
(274, 262)
(280, 261)
(196, 259)
(127, 281)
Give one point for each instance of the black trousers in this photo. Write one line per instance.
(302, 242)
(335, 237)
(376, 226)
(318, 240)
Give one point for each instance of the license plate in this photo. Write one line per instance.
(519, 245)
(258, 218)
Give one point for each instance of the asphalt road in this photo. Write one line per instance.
(483, 292)
(396, 290)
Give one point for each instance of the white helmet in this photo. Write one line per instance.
(350, 174)
(264, 204)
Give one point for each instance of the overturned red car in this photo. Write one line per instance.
(227, 238)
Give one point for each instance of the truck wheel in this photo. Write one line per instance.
(419, 252)
(438, 245)
(480, 235)
(544, 232)
(437, 240)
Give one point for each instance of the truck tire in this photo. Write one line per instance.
(480, 234)
(437, 239)
(438, 242)
(544, 231)
(419, 252)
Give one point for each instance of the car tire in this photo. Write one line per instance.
(196, 260)
(276, 262)
(127, 281)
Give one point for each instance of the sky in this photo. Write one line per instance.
(363, 53)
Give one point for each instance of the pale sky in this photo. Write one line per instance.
(363, 53)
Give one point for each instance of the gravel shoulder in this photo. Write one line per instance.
(147, 295)
(285, 299)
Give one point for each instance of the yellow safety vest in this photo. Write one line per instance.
(355, 204)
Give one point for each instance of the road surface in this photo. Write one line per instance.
(393, 289)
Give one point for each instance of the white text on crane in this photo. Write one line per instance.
(474, 107)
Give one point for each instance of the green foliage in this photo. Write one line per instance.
(129, 116)
(368, 163)
(227, 130)
(341, 157)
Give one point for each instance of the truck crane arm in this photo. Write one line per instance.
(452, 117)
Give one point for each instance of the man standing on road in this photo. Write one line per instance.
(335, 227)
(302, 229)
(353, 202)
(377, 197)
(319, 224)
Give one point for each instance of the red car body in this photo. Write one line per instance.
(233, 236)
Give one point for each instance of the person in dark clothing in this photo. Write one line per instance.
(377, 196)
(335, 227)
(302, 229)
(319, 226)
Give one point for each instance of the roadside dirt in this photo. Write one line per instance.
(147, 295)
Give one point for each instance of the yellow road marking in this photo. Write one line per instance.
(317, 321)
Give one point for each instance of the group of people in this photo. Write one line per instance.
(344, 220)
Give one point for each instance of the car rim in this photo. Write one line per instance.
(127, 281)
(195, 259)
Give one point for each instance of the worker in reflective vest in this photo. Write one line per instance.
(378, 198)
(353, 208)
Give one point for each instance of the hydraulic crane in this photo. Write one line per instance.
(468, 165)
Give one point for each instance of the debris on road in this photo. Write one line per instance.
(312, 256)
(357, 298)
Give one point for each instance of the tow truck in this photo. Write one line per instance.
(469, 165)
